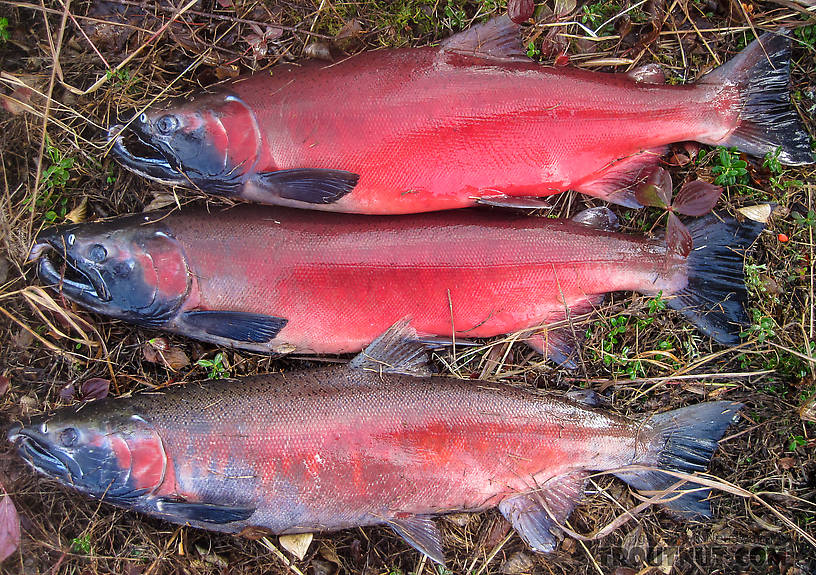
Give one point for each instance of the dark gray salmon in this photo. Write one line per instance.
(375, 442)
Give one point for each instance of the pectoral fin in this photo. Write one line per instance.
(204, 512)
(536, 515)
(311, 186)
(422, 534)
(235, 325)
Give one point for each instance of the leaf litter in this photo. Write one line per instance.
(120, 55)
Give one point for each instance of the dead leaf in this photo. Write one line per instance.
(317, 51)
(787, 463)
(635, 547)
(160, 201)
(519, 562)
(24, 97)
(564, 7)
(760, 213)
(520, 11)
(351, 29)
(94, 388)
(297, 544)
(696, 198)
(68, 392)
(4, 266)
(678, 237)
(5, 383)
(9, 527)
(79, 213)
(657, 190)
(158, 350)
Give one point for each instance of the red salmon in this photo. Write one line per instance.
(472, 120)
(365, 444)
(282, 280)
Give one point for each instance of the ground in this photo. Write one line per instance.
(116, 56)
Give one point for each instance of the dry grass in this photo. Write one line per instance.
(657, 359)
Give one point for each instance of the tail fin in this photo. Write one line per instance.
(767, 121)
(683, 440)
(715, 295)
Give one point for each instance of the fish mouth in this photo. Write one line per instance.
(135, 150)
(56, 267)
(42, 454)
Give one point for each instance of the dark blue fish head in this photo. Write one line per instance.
(210, 141)
(129, 268)
(114, 457)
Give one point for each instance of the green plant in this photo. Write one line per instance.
(729, 169)
(763, 327)
(57, 174)
(807, 35)
(53, 180)
(795, 441)
(657, 303)
(4, 33)
(776, 180)
(532, 51)
(217, 367)
(808, 220)
(81, 544)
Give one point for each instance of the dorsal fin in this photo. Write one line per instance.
(398, 350)
(497, 39)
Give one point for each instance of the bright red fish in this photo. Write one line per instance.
(282, 280)
(365, 444)
(472, 120)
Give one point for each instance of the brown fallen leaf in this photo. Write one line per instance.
(9, 527)
(94, 388)
(786, 463)
(520, 10)
(158, 350)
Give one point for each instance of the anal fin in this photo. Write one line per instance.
(537, 514)
(421, 533)
(618, 181)
(561, 344)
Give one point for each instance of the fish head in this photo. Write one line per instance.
(96, 449)
(210, 141)
(123, 268)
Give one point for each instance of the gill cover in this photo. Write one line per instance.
(118, 459)
(124, 268)
(211, 141)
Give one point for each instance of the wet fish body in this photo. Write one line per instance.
(355, 445)
(282, 280)
(472, 120)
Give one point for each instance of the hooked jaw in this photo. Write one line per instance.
(81, 282)
(39, 452)
(134, 148)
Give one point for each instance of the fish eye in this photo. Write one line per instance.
(68, 437)
(143, 118)
(70, 239)
(97, 253)
(167, 124)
